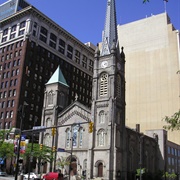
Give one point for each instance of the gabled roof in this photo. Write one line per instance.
(57, 77)
(75, 109)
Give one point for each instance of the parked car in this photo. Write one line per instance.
(51, 176)
(31, 176)
(2, 173)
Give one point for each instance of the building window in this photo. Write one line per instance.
(68, 137)
(61, 47)
(2, 115)
(22, 24)
(5, 32)
(6, 125)
(104, 84)
(21, 32)
(69, 51)
(50, 98)
(13, 28)
(77, 56)
(62, 99)
(12, 103)
(101, 117)
(84, 61)
(118, 86)
(7, 115)
(14, 92)
(53, 37)
(101, 137)
(80, 137)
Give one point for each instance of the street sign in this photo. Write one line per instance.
(61, 150)
(39, 128)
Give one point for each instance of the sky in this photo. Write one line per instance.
(85, 19)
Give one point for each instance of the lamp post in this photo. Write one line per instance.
(21, 109)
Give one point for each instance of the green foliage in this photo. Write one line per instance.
(142, 170)
(62, 162)
(145, 1)
(6, 148)
(170, 176)
(172, 121)
(45, 154)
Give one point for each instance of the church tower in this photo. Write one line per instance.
(107, 153)
(55, 100)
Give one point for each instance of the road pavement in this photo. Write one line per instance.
(6, 178)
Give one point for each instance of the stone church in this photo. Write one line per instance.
(111, 151)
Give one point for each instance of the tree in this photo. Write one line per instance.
(144, 1)
(6, 148)
(44, 155)
(61, 163)
(173, 121)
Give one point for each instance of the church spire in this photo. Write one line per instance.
(110, 29)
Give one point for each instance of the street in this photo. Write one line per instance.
(6, 177)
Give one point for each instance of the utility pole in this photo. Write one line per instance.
(21, 111)
(140, 162)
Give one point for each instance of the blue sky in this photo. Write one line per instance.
(84, 19)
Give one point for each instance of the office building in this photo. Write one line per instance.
(152, 82)
(32, 46)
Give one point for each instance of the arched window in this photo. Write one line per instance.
(47, 139)
(118, 86)
(101, 138)
(75, 135)
(80, 137)
(68, 137)
(50, 98)
(104, 84)
(48, 122)
(62, 99)
(101, 117)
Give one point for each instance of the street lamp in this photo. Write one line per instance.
(21, 110)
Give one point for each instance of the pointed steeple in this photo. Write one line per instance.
(58, 77)
(110, 29)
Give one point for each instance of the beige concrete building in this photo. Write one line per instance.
(152, 81)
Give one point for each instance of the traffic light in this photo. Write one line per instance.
(91, 124)
(53, 148)
(53, 131)
(41, 146)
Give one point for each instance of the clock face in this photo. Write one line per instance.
(104, 64)
(118, 66)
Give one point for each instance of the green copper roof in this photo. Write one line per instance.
(58, 77)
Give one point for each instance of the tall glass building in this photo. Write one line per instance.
(10, 7)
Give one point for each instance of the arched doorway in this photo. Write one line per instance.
(100, 170)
